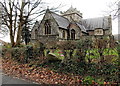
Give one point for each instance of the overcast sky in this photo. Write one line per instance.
(89, 8)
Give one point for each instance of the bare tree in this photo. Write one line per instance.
(113, 9)
(3, 31)
(18, 14)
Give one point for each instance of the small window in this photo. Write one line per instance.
(36, 34)
(47, 27)
(98, 32)
(63, 34)
(72, 34)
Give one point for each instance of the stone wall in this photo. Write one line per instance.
(91, 33)
(35, 27)
(48, 38)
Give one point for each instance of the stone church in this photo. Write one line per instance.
(69, 25)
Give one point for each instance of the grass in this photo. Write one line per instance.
(91, 54)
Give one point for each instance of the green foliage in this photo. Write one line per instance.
(66, 45)
(78, 58)
(118, 50)
(36, 52)
(23, 54)
(39, 49)
(69, 66)
(108, 71)
(6, 52)
(110, 56)
(28, 53)
(82, 47)
(95, 72)
(17, 54)
(88, 80)
(7, 46)
(84, 44)
(59, 54)
(67, 48)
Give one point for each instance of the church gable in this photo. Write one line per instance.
(75, 31)
(48, 25)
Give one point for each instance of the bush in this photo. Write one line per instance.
(29, 51)
(82, 47)
(38, 49)
(67, 47)
(69, 66)
(88, 80)
(7, 46)
(108, 71)
(23, 54)
(18, 54)
(6, 53)
(118, 50)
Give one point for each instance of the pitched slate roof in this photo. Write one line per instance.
(100, 22)
(64, 22)
(84, 24)
(81, 27)
(61, 21)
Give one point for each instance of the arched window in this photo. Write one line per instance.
(36, 33)
(63, 34)
(47, 27)
(72, 34)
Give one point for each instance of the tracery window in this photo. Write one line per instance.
(47, 27)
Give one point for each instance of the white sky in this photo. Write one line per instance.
(89, 8)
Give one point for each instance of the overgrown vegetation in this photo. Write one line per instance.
(96, 61)
(24, 53)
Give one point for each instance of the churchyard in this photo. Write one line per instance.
(66, 62)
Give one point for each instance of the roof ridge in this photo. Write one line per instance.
(96, 17)
(59, 15)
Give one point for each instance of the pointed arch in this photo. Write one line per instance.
(47, 27)
(72, 34)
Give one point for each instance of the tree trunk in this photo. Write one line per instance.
(11, 34)
(18, 40)
(12, 38)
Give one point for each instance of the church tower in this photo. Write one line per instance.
(72, 14)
